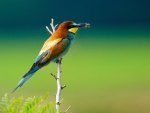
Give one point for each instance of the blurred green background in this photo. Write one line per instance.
(108, 67)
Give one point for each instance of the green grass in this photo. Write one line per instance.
(104, 72)
(26, 105)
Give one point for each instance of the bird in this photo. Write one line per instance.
(54, 48)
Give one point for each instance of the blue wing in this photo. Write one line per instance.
(35, 67)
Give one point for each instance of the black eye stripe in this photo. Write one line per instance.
(71, 26)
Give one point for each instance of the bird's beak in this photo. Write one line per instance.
(74, 27)
(85, 25)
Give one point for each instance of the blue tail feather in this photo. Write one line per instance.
(26, 77)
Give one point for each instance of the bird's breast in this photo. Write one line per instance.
(71, 36)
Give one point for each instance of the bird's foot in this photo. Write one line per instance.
(59, 61)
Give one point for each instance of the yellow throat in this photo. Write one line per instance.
(73, 30)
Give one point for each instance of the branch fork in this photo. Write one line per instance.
(53, 27)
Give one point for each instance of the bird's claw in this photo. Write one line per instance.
(59, 61)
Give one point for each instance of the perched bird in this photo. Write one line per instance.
(55, 47)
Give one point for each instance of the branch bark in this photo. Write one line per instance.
(58, 77)
(59, 87)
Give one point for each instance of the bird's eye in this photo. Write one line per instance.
(70, 26)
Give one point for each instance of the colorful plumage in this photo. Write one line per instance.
(54, 48)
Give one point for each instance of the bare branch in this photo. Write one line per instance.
(58, 77)
(53, 27)
(67, 109)
(59, 88)
(62, 87)
(54, 76)
(49, 30)
(56, 26)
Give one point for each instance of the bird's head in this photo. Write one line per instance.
(72, 26)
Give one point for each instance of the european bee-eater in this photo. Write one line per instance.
(55, 47)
